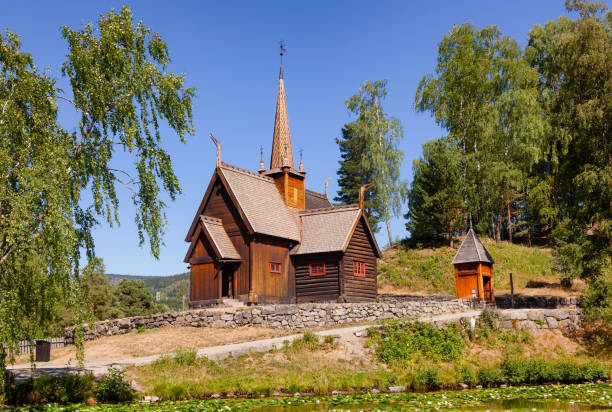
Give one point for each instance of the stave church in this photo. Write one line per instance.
(261, 237)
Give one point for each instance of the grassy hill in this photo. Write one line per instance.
(430, 271)
(169, 287)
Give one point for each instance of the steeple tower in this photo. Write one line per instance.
(282, 154)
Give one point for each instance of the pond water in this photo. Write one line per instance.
(582, 397)
(503, 405)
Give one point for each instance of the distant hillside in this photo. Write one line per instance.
(169, 287)
(430, 270)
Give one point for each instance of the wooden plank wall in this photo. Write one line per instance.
(221, 206)
(272, 287)
(205, 280)
(317, 288)
(360, 248)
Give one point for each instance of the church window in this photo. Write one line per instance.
(317, 269)
(359, 269)
(275, 267)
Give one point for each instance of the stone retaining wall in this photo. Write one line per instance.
(295, 316)
(566, 320)
(551, 302)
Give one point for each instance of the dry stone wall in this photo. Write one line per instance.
(295, 316)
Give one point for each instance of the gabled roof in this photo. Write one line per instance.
(472, 250)
(330, 230)
(218, 238)
(316, 200)
(258, 202)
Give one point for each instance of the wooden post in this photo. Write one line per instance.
(480, 285)
(511, 291)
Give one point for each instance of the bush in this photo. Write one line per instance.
(112, 388)
(308, 341)
(50, 389)
(399, 341)
(428, 379)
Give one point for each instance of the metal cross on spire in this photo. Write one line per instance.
(283, 49)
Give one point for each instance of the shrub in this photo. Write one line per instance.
(186, 357)
(112, 388)
(48, 389)
(428, 379)
(141, 329)
(490, 376)
(401, 341)
(466, 374)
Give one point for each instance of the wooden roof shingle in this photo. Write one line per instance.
(261, 203)
(472, 251)
(218, 238)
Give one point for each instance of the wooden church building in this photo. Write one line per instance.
(262, 237)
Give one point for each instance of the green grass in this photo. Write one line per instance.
(431, 271)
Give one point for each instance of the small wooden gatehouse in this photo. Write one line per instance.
(473, 270)
(262, 237)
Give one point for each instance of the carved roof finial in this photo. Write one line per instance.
(212, 136)
(326, 186)
(301, 162)
(362, 190)
(262, 167)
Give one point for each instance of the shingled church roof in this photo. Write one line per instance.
(257, 196)
(316, 200)
(328, 230)
(218, 238)
(472, 250)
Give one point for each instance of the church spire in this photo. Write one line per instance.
(282, 154)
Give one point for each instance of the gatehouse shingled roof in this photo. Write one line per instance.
(472, 250)
(218, 238)
(328, 230)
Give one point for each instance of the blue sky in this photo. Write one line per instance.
(229, 51)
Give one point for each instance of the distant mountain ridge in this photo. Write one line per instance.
(171, 288)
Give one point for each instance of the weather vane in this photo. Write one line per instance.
(283, 50)
(301, 151)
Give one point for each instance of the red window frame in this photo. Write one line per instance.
(275, 267)
(317, 269)
(359, 269)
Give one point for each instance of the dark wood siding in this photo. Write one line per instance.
(361, 249)
(317, 288)
(272, 287)
(220, 205)
(204, 283)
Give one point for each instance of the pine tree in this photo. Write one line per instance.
(435, 206)
(352, 175)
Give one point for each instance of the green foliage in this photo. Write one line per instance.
(122, 94)
(133, 298)
(186, 357)
(113, 388)
(399, 341)
(374, 154)
(485, 95)
(352, 174)
(307, 342)
(435, 205)
(49, 389)
(428, 379)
